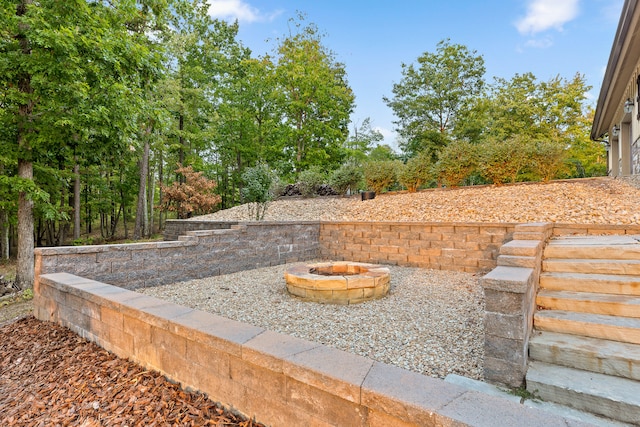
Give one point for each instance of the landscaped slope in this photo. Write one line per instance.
(581, 201)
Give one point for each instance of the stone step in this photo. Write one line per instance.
(587, 302)
(612, 397)
(615, 328)
(592, 266)
(588, 354)
(594, 247)
(599, 283)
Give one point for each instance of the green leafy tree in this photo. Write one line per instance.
(64, 65)
(310, 180)
(361, 141)
(381, 175)
(258, 187)
(316, 100)
(433, 96)
(347, 178)
(382, 152)
(502, 160)
(249, 124)
(418, 170)
(456, 163)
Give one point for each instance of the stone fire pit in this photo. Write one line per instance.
(338, 282)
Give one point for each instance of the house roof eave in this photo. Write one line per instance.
(619, 68)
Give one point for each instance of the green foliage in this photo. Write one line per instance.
(502, 160)
(584, 156)
(27, 294)
(347, 177)
(416, 172)
(381, 175)
(315, 100)
(456, 163)
(310, 181)
(257, 190)
(382, 152)
(83, 241)
(548, 159)
(433, 95)
(361, 141)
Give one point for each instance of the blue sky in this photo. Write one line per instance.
(373, 38)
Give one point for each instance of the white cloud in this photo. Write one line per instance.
(240, 10)
(546, 14)
(542, 43)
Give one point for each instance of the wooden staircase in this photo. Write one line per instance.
(585, 349)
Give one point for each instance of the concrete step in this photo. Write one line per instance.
(598, 283)
(552, 408)
(588, 302)
(615, 328)
(612, 397)
(592, 266)
(594, 247)
(588, 354)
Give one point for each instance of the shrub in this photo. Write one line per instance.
(258, 189)
(416, 172)
(548, 159)
(194, 196)
(380, 175)
(346, 177)
(310, 181)
(503, 160)
(457, 162)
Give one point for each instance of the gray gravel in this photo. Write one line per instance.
(431, 322)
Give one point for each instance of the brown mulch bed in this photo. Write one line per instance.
(49, 376)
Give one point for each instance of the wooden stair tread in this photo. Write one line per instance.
(593, 245)
(615, 328)
(589, 302)
(598, 283)
(585, 353)
(613, 397)
(592, 266)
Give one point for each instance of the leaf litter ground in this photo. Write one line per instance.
(51, 376)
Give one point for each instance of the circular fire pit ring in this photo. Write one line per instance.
(339, 282)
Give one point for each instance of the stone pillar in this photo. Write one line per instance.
(625, 149)
(510, 292)
(614, 157)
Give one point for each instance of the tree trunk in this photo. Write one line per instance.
(4, 240)
(160, 183)
(25, 269)
(76, 201)
(151, 197)
(141, 211)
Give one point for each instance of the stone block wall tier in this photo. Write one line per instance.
(471, 247)
(272, 377)
(204, 252)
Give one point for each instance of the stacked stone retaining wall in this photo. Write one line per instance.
(470, 247)
(277, 379)
(174, 228)
(195, 255)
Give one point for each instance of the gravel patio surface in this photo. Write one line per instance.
(431, 322)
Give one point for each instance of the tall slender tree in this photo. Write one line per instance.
(63, 65)
(434, 95)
